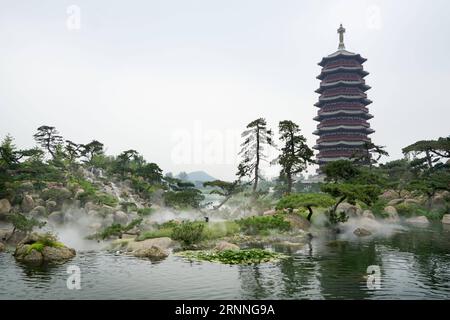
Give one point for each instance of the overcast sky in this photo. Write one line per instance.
(179, 80)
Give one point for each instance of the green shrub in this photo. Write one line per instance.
(45, 240)
(188, 198)
(188, 232)
(407, 210)
(106, 199)
(145, 211)
(262, 224)
(216, 230)
(159, 233)
(247, 256)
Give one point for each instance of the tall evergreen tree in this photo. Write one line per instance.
(257, 136)
(295, 153)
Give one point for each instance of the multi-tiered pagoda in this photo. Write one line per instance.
(343, 128)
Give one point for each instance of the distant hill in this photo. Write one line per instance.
(195, 176)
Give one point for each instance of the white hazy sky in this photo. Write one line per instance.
(179, 80)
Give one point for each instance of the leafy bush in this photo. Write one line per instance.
(24, 224)
(247, 256)
(159, 233)
(45, 240)
(261, 224)
(106, 199)
(301, 200)
(188, 232)
(145, 211)
(216, 230)
(116, 230)
(188, 198)
(407, 210)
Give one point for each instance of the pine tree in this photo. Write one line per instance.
(295, 154)
(257, 136)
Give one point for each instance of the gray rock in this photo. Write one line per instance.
(438, 202)
(297, 222)
(26, 186)
(368, 214)
(349, 209)
(38, 211)
(163, 243)
(392, 214)
(369, 224)
(270, 212)
(2, 247)
(389, 195)
(395, 202)
(47, 254)
(153, 252)
(5, 207)
(107, 221)
(27, 203)
(56, 218)
(361, 232)
(223, 245)
(58, 194)
(446, 219)
(412, 202)
(120, 217)
(420, 220)
(50, 205)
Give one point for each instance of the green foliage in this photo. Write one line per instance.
(217, 230)
(247, 256)
(45, 240)
(56, 194)
(407, 210)
(256, 137)
(367, 194)
(188, 232)
(116, 230)
(340, 171)
(188, 198)
(295, 153)
(143, 212)
(262, 224)
(24, 224)
(304, 200)
(159, 233)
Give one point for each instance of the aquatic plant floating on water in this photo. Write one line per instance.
(247, 256)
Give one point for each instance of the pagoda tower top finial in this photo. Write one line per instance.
(341, 32)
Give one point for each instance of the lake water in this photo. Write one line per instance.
(414, 264)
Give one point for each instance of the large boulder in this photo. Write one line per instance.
(395, 202)
(349, 209)
(297, 222)
(269, 212)
(27, 203)
(368, 214)
(32, 250)
(56, 193)
(132, 245)
(438, 202)
(51, 206)
(2, 247)
(120, 217)
(223, 245)
(56, 218)
(153, 252)
(412, 202)
(420, 220)
(5, 207)
(38, 211)
(446, 219)
(26, 186)
(369, 224)
(361, 232)
(392, 214)
(389, 195)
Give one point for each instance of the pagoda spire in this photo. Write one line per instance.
(341, 32)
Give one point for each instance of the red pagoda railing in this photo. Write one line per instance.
(343, 91)
(342, 63)
(342, 77)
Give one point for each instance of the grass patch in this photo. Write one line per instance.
(159, 233)
(263, 224)
(247, 256)
(216, 230)
(145, 211)
(45, 240)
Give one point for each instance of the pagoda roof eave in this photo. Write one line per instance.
(342, 53)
